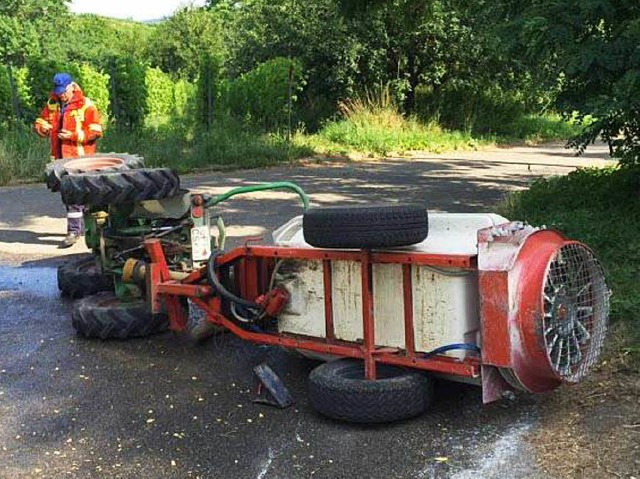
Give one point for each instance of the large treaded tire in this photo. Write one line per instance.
(379, 226)
(100, 189)
(338, 390)
(55, 170)
(82, 277)
(105, 316)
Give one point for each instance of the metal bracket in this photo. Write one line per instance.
(271, 389)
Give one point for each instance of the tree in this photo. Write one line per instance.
(95, 38)
(179, 44)
(313, 33)
(591, 50)
(128, 91)
(32, 27)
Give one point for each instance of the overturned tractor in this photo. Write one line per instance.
(389, 295)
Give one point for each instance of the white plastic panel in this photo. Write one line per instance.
(388, 305)
(445, 303)
(305, 311)
(347, 300)
(445, 309)
(456, 233)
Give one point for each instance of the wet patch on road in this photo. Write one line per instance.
(167, 407)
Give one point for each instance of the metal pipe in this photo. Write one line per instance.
(368, 323)
(281, 185)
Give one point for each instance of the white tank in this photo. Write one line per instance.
(445, 300)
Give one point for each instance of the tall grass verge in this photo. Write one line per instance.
(372, 124)
(599, 207)
(225, 145)
(23, 155)
(533, 129)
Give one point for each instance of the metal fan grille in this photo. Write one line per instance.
(576, 311)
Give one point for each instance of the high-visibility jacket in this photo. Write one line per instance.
(79, 116)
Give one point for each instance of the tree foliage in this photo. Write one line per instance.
(592, 49)
(30, 27)
(473, 65)
(95, 39)
(127, 91)
(179, 44)
(313, 33)
(265, 95)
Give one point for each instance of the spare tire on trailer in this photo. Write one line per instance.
(82, 277)
(375, 226)
(104, 162)
(105, 316)
(100, 189)
(338, 390)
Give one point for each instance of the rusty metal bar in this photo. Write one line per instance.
(407, 289)
(424, 259)
(368, 325)
(195, 291)
(438, 364)
(278, 340)
(328, 299)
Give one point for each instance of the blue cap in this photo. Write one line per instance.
(60, 82)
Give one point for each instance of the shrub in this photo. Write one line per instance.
(462, 106)
(95, 85)
(128, 91)
(6, 95)
(598, 207)
(261, 96)
(159, 93)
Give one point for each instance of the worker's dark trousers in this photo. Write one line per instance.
(75, 223)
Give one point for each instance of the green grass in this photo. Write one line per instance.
(228, 145)
(385, 133)
(601, 208)
(367, 128)
(23, 155)
(371, 124)
(534, 129)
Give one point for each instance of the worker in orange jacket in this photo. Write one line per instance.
(72, 123)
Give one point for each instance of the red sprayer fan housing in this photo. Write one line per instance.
(544, 308)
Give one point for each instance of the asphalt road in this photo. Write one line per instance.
(166, 407)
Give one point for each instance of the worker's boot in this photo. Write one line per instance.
(70, 240)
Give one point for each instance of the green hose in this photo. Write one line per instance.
(281, 185)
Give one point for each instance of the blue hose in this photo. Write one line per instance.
(451, 347)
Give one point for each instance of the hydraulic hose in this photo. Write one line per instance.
(452, 347)
(281, 185)
(215, 283)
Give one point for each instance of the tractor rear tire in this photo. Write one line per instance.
(82, 277)
(103, 162)
(383, 226)
(337, 389)
(105, 316)
(100, 189)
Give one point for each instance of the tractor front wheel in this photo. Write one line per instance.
(82, 277)
(113, 188)
(104, 162)
(105, 316)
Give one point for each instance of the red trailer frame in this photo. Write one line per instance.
(254, 265)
